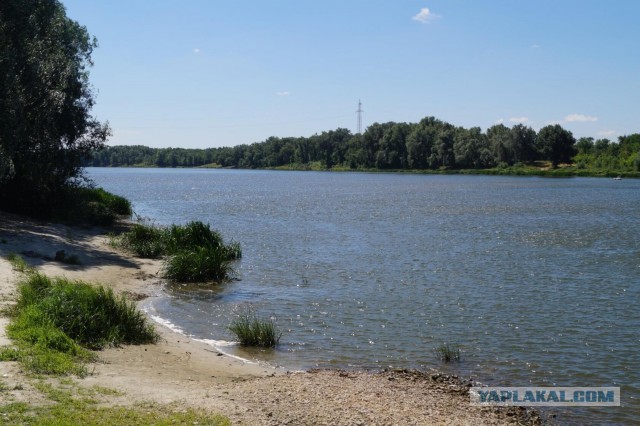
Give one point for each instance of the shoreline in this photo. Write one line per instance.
(560, 172)
(185, 372)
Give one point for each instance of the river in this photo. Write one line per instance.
(536, 279)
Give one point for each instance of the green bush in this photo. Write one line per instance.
(253, 331)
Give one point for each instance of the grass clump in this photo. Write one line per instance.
(199, 265)
(98, 206)
(144, 240)
(253, 331)
(194, 252)
(18, 263)
(193, 234)
(448, 353)
(57, 321)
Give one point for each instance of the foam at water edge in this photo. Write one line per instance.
(171, 326)
(216, 344)
(219, 344)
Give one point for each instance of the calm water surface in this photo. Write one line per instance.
(536, 279)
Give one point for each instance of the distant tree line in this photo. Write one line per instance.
(602, 154)
(430, 144)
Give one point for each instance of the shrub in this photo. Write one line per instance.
(448, 353)
(253, 331)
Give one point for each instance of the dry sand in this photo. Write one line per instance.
(187, 373)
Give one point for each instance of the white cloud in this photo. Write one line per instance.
(425, 16)
(499, 121)
(579, 118)
(282, 93)
(607, 133)
(535, 46)
(519, 120)
(196, 50)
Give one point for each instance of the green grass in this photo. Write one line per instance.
(143, 240)
(96, 206)
(448, 353)
(194, 252)
(56, 322)
(18, 263)
(72, 405)
(192, 235)
(199, 265)
(253, 331)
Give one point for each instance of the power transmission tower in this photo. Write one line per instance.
(359, 111)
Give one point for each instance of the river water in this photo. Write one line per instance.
(536, 279)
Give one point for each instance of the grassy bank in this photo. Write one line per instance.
(56, 326)
(56, 323)
(73, 205)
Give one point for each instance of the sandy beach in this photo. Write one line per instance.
(186, 373)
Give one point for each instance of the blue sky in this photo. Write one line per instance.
(207, 73)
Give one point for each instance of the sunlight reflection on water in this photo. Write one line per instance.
(534, 278)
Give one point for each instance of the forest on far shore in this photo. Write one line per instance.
(431, 144)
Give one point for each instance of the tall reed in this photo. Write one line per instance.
(253, 331)
(448, 352)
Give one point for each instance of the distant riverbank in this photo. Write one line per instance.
(522, 170)
(542, 171)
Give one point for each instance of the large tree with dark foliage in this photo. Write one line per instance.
(46, 129)
(556, 144)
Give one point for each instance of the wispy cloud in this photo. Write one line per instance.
(519, 120)
(579, 118)
(282, 93)
(499, 121)
(607, 133)
(535, 46)
(425, 16)
(196, 50)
